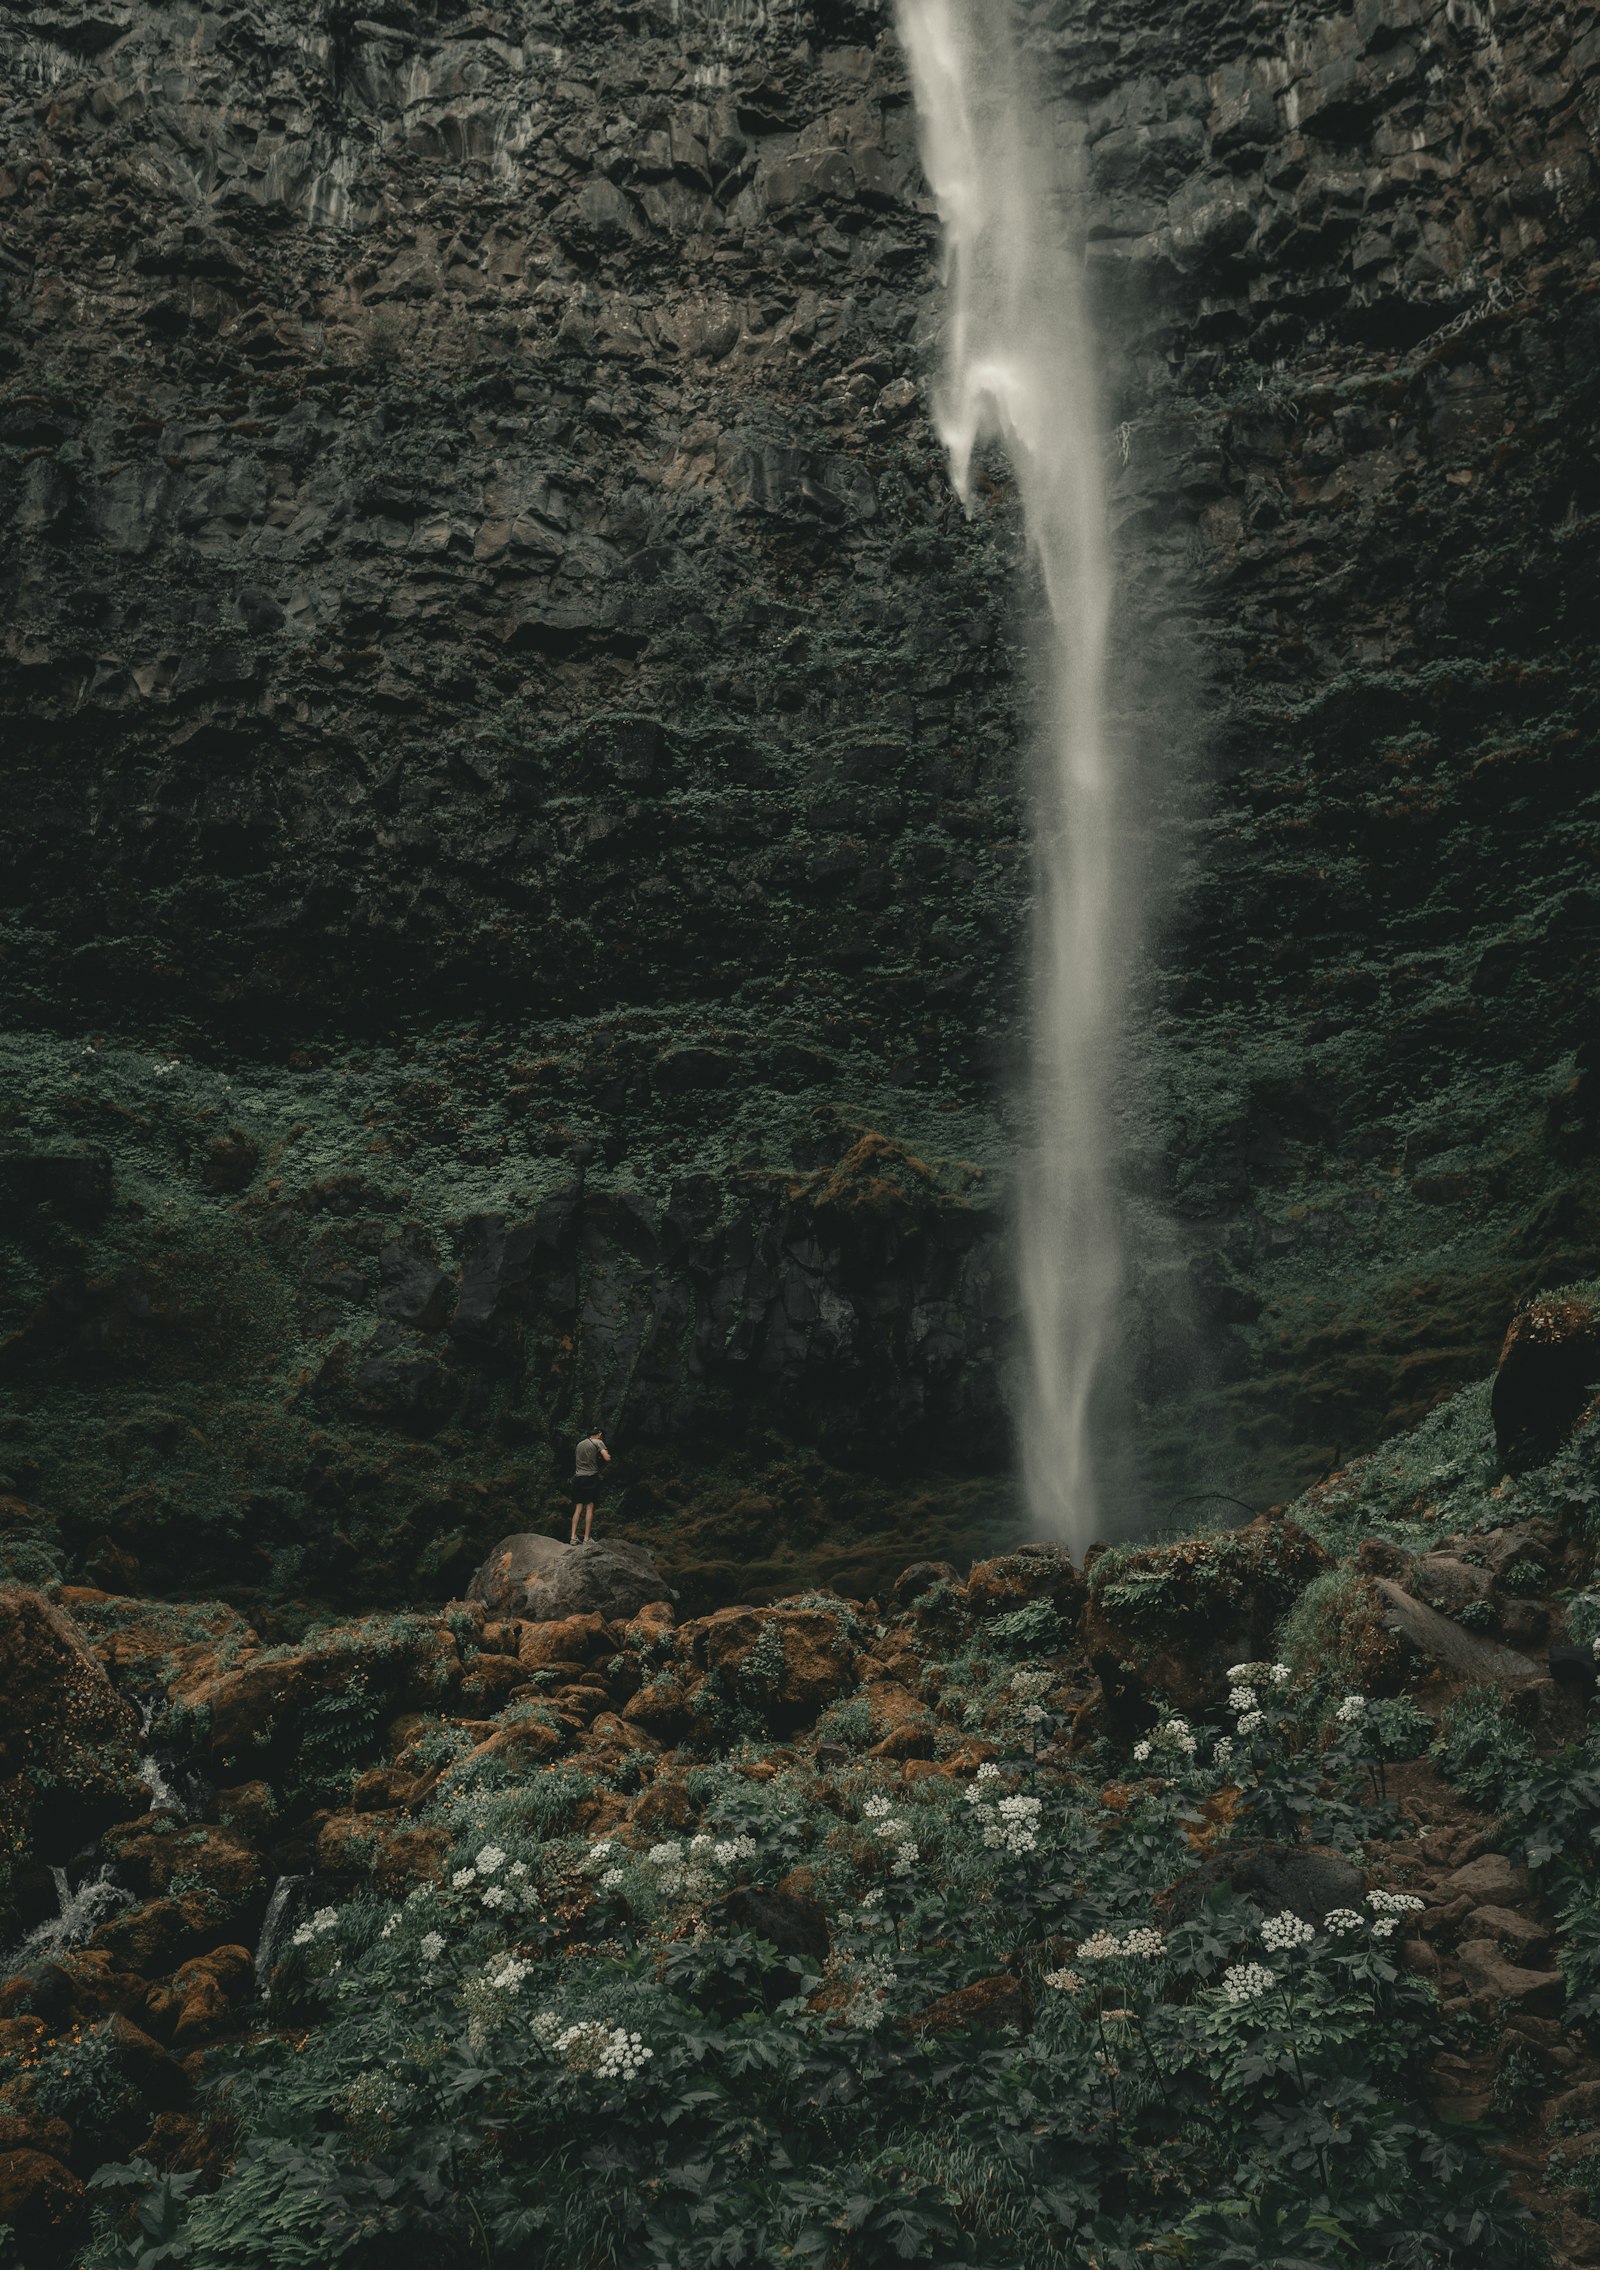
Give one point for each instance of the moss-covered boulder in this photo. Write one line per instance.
(1170, 1619)
(69, 1756)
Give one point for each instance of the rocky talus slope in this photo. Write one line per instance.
(514, 761)
(1416, 1723)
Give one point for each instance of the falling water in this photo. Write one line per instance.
(1018, 370)
(79, 1912)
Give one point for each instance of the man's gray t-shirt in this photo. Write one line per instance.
(588, 1461)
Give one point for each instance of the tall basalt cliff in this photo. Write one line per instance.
(516, 864)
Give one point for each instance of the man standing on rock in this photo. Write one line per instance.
(586, 1482)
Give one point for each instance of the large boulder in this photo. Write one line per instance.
(543, 1581)
(1170, 1619)
(69, 1743)
(1549, 1368)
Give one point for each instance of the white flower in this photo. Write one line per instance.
(507, 1973)
(1147, 1943)
(905, 1858)
(546, 2028)
(597, 1853)
(496, 1896)
(611, 1879)
(462, 1878)
(1251, 1720)
(303, 1936)
(1595, 1645)
(1396, 1903)
(666, 1855)
(701, 1843)
(988, 1771)
(1064, 1981)
(877, 1808)
(1352, 1708)
(1384, 1925)
(433, 1946)
(1241, 1698)
(1243, 1982)
(1279, 1674)
(1034, 1714)
(890, 1828)
(489, 1859)
(325, 1919)
(1141, 1751)
(1026, 1684)
(1342, 1919)
(1103, 1947)
(1281, 1932)
(518, 1869)
(390, 1928)
(1222, 1749)
(623, 2056)
(1242, 1670)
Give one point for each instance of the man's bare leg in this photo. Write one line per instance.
(588, 1522)
(576, 1511)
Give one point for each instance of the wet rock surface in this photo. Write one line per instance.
(480, 564)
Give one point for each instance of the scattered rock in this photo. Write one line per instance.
(1307, 1879)
(42, 2201)
(1491, 1879)
(1487, 1972)
(988, 2005)
(921, 1578)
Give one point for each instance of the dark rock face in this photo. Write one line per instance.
(513, 749)
(542, 1580)
(1549, 1368)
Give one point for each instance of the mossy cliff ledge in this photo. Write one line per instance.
(599, 1875)
(503, 714)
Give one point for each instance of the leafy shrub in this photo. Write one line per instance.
(1482, 1750)
(1034, 1629)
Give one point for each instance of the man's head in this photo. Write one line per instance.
(597, 1432)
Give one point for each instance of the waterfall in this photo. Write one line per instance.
(78, 1913)
(1018, 370)
(274, 1925)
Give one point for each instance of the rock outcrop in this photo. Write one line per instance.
(543, 1581)
(514, 744)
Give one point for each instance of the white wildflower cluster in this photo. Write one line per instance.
(1245, 1982)
(1594, 1645)
(546, 2030)
(1173, 1735)
(1259, 1674)
(1391, 1907)
(1252, 1722)
(391, 1926)
(1034, 1714)
(611, 2053)
(1222, 1749)
(1340, 1921)
(325, 1920)
(867, 1981)
(1352, 1710)
(888, 1824)
(507, 1972)
(1142, 1944)
(684, 1870)
(1242, 1698)
(1281, 1933)
(1010, 1824)
(1028, 1686)
(1064, 1981)
(432, 1944)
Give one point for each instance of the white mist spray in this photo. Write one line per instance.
(1018, 370)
